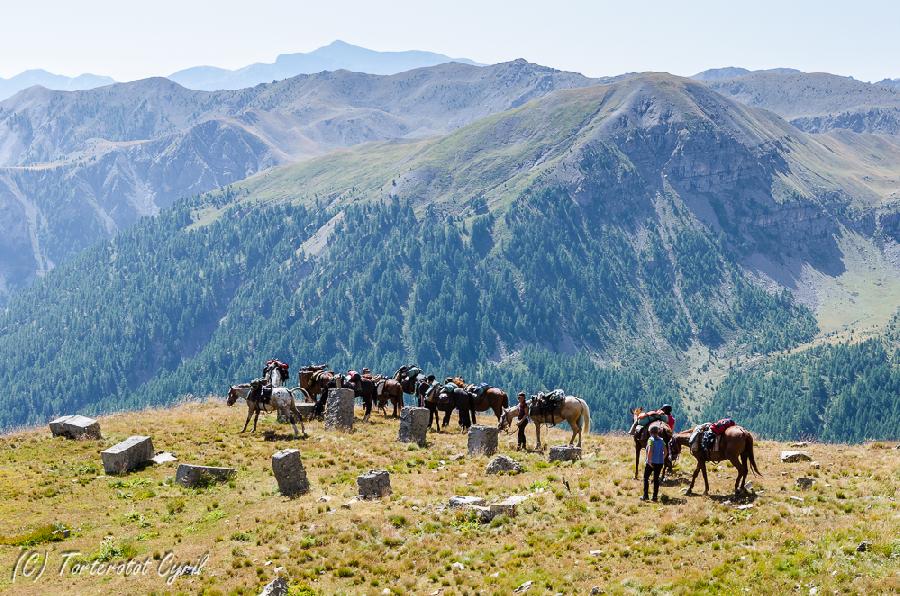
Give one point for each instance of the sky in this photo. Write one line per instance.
(130, 39)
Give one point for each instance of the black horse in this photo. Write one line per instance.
(439, 399)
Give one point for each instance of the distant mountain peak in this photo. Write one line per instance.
(48, 80)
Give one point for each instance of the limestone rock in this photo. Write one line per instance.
(413, 425)
(75, 427)
(194, 475)
(508, 506)
(128, 455)
(339, 409)
(374, 484)
(163, 457)
(290, 473)
(503, 463)
(794, 456)
(565, 453)
(276, 587)
(805, 483)
(308, 411)
(467, 501)
(483, 440)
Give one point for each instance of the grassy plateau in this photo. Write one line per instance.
(582, 526)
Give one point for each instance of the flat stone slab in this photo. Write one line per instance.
(128, 455)
(413, 425)
(508, 506)
(75, 426)
(193, 475)
(564, 453)
(503, 463)
(163, 457)
(467, 501)
(290, 473)
(794, 456)
(374, 484)
(483, 440)
(308, 411)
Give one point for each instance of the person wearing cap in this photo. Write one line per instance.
(664, 414)
(657, 452)
(522, 421)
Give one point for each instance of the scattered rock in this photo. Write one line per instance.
(804, 483)
(324, 499)
(863, 546)
(815, 465)
(348, 504)
(508, 506)
(386, 591)
(163, 457)
(795, 498)
(483, 440)
(374, 484)
(339, 409)
(503, 463)
(128, 455)
(596, 590)
(192, 475)
(747, 506)
(458, 565)
(484, 514)
(290, 473)
(458, 457)
(466, 501)
(75, 427)
(813, 591)
(565, 453)
(413, 425)
(524, 587)
(276, 587)
(799, 445)
(794, 456)
(596, 553)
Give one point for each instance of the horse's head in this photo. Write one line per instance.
(506, 418)
(236, 392)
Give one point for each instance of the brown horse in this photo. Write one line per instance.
(389, 390)
(641, 438)
(315, 379)
(735, 445)
(492, 398)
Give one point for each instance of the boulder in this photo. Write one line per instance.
(483, 440)
(484, 514)
(290, 473)
(508, 506)
(192, 475)
(374, 484)
(794, 456)
(503, 463)
(75, 427)
(308, 411)
(413, 425)
(276, 587)
(805, 483)
(565, 453)
(339, 409)
(468, 501)
(163, 457)
(128, 455)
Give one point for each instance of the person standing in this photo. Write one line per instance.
(657, 452)
(522, 421)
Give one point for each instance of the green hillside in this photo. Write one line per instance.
(587, 241)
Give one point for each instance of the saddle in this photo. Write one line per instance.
(478, 390)
(547, 404)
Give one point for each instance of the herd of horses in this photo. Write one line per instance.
(269, 394)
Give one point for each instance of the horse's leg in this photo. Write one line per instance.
(705, 477)
(246, 422)
(255, 420)
(741, 471)
(637, 459)
(537, 434)
(693, 478)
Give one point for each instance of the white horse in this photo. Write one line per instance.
(573, 410)
(281, 401)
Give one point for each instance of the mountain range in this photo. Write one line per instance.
(338, 55)
(629, 239)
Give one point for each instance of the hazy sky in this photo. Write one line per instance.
(127, 39)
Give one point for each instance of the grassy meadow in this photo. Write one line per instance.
(582, 527)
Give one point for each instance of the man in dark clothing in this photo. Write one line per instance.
(522, 421)
(657, 453)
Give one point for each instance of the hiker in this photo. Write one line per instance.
(657, 453)
(522, 422)
(422, 390)
(664, 414)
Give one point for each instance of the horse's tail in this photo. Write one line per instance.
(505, 400)
(585, 416)
(750, 455)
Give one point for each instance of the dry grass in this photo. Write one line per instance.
(409, 543)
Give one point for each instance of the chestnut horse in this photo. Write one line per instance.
(735, 445)
(492, 398)
(641, 438)
(315, 379)
(389, 390)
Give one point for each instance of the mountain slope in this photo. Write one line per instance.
(814, 102)
(48, 80)
(77, 167)
(594, 239)
(337, 55)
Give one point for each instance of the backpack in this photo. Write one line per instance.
(721, 426)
